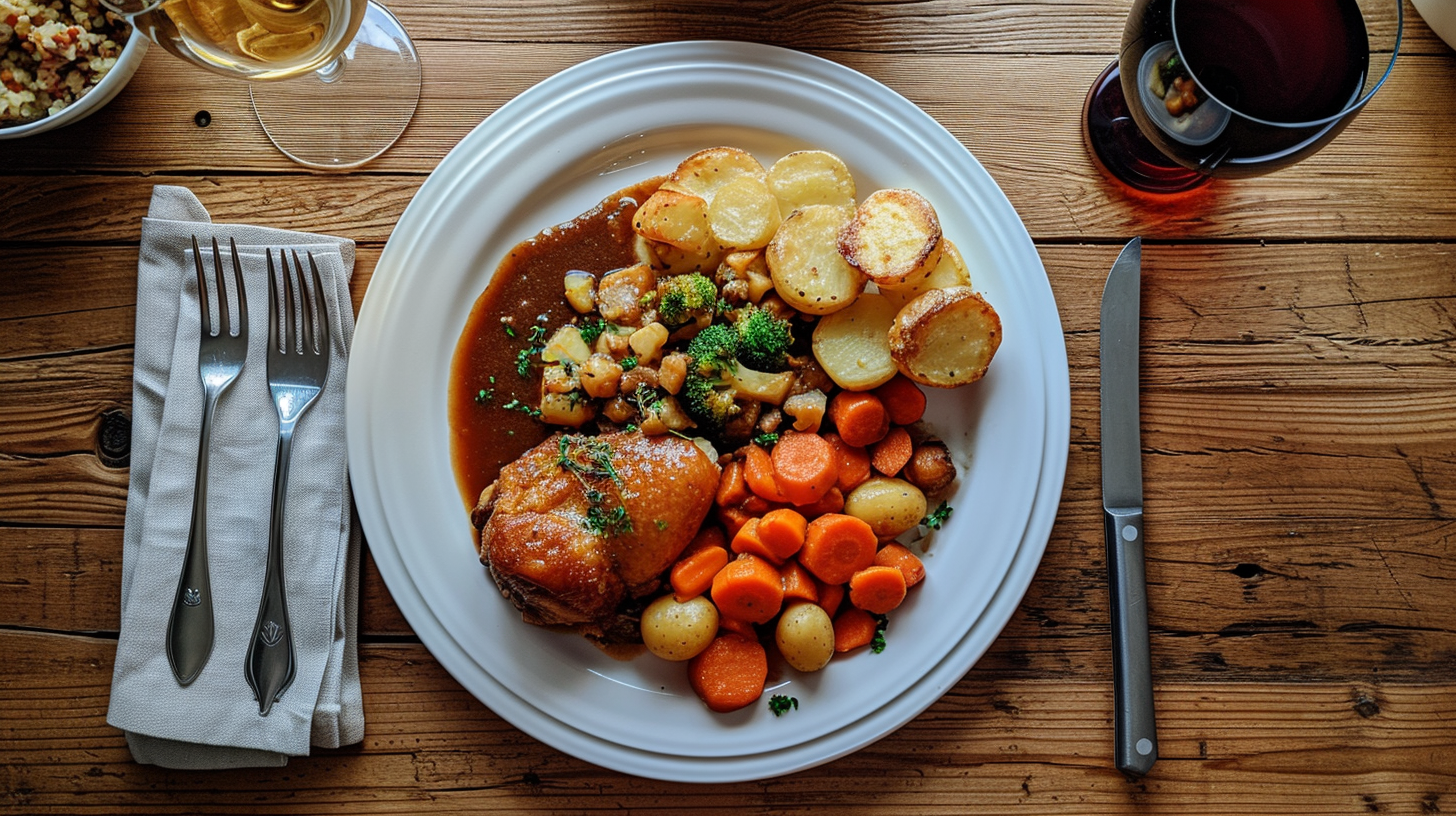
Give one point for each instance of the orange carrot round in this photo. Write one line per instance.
(709, 535)
(831, 502)
(903, 399)
(730, 673)
(859, 417)
(892, 453)
(798, 583)
(830, 597)
(853, 462)
(877, 589)
(748, 541)
(853, 628)
(749, 589)
(731, 487)
(736, 626)
(733, 519)
(782, 532)
(836, 546)
(758, 472)
(804, 466)
(692, 575)
(902, 559)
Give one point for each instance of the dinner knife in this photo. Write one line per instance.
(1135, 732)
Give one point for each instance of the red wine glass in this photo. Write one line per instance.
(1234, 88)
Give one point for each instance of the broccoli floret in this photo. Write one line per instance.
(685, 298)
(707, 392)
(763, 339)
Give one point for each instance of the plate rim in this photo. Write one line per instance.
(542, 725)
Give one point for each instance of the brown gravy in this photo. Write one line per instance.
(526, 291)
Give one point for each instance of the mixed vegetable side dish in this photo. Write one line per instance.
(691, 418)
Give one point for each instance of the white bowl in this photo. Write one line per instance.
(109, 86)
(1440, 15)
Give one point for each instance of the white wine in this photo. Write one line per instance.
(254, 39)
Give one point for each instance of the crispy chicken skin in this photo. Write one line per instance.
(536, 540)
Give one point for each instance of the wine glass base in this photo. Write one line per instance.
(1121, 151)
(352, 109)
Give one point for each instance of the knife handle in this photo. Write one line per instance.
(1135, 731)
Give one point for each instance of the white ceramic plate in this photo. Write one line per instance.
(554, 152)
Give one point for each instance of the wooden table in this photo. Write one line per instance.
(1299, 433)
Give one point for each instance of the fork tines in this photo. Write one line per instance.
(301, 304)
(220, 322)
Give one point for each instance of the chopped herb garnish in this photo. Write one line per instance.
(587, 457)
(605, 522)
(877, 645)
(590, 330)
(629, 363)
(485, 395)
(537, 336)
(780, 704)
(517, 405)
(645, 398)
(766, 440)
(661, 525)
(510, 332)
(937, 516)
(492, 379)
(523, 362)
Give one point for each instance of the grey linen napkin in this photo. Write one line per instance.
(214, 722)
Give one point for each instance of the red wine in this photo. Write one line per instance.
(1252, 74)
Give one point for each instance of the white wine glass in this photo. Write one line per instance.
(333, 82)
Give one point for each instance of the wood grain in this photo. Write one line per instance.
(992, 743)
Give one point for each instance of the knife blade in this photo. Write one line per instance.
(1135, 732)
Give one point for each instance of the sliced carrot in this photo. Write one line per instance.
(877, 589)
(759, 473)
(782, 533)
(798, 583)
(736, 626)
(709, 535)
(748, 540)
(731, 487)
(853, 628)
(730, 673)
(830, 597)
(854, 462)
(903, 399)
(891, 454)
(692, 575)
(749, 589)
(859, 417)
(804, 466)
(733, 519)
(831, 502)
(901, 558)
(757, 505)
(836, 546)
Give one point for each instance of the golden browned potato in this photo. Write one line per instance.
(852, 345)
(674, 218)
(950, 271)
(945, 337)
(670, 260)
(807, 177)
(893, 238)
(705, 172)
(743, 213)
(678, 631)
(804, 261)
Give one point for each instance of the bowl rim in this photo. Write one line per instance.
(117, 78)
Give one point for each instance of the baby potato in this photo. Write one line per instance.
(805, 636)
(853, 344)
(945, 337)
(888, 506)
(678, 631)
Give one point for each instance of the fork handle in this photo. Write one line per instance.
(270, 665)
(190, 626)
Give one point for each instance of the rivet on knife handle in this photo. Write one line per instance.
(1135, 731)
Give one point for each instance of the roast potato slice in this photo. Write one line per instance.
(852, 345)
(945, 337)
(743, 213)
(674, 218)
(706, 171)
(894, 237)
(669, 260)
(807, 177)
(950, 271)
(804, 261)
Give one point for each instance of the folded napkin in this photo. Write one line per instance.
(214, 722)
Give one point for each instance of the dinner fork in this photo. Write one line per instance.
(298, 363)
(220, 358)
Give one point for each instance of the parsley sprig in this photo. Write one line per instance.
(937, 516)
(780, 704)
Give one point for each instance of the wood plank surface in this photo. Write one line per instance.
(1299, 439)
